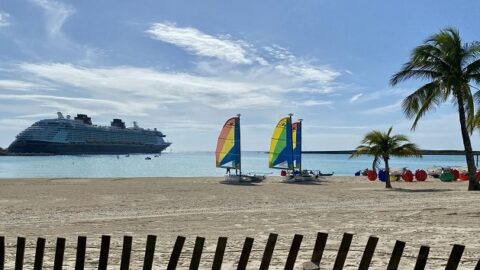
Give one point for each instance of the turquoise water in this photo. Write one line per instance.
(190, 164)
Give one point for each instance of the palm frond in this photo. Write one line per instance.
(470, 108)
(472, 68)
(424, 99)
(471, 53)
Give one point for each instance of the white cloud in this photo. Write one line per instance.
(264, 63)
(199, 43)
(290, 65)
(148, 84)
(56, 13)
(385, 109)
(355, 97)
(36, 116)
(129, 83)
(4, 19)
(311, 102)
(396, 92)
(57, 42)
(14, 124)
(76, 104)
(16, 85)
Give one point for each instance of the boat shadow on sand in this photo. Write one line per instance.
(423, 190)
(240, 183)
(316, 181)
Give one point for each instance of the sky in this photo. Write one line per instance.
(185, 67)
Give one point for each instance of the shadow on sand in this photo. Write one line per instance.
(426, 190)
(317, 182)
(241, 183)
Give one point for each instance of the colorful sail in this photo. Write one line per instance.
(228, 145)
(297, 144)
(281, 150)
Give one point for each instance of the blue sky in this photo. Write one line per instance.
(186, 66)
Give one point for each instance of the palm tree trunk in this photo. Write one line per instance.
(472, 178)
(387, 171)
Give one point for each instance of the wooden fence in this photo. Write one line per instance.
(314, 263)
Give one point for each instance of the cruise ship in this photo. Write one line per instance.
(77, 136)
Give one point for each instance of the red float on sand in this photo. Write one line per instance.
(407, 176)
(463, 176)
(421, 175)
(456, 174)
(372, 175)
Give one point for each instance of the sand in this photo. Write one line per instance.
(430, 213)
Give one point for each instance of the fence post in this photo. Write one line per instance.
(81, 248)
(343, 251)
(455, 256)
(104, 251)
(422, 258)
(59, 252)
(292, 254)
(247, 248)
(197, 253)
(177, 250)
(126, 250)
(149, 252)
(267, 254)
(219, 252)
(368, 253)
(396, 255)
(2, 252)
(320, 243)
(39, 252)
(20, 253)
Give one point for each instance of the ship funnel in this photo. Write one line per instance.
(135, 124)
(60, 115)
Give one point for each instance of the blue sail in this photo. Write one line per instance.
(297, 144)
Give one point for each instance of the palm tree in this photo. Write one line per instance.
(449, 67)
(383, 145)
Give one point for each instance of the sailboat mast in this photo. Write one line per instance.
(239, 144)
(299, 143)
(291, 140)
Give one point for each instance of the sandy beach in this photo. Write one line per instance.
(430, 213)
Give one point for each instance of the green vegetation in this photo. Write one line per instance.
(450, 67)
(3, 151)
(384, 145)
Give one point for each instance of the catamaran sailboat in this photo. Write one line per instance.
(286, 151)
(228, 153)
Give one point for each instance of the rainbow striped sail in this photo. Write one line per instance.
(228, 145)
(281, 150)
(297, 144)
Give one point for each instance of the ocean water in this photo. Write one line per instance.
(190, 164)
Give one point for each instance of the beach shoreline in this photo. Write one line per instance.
(429, 213)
